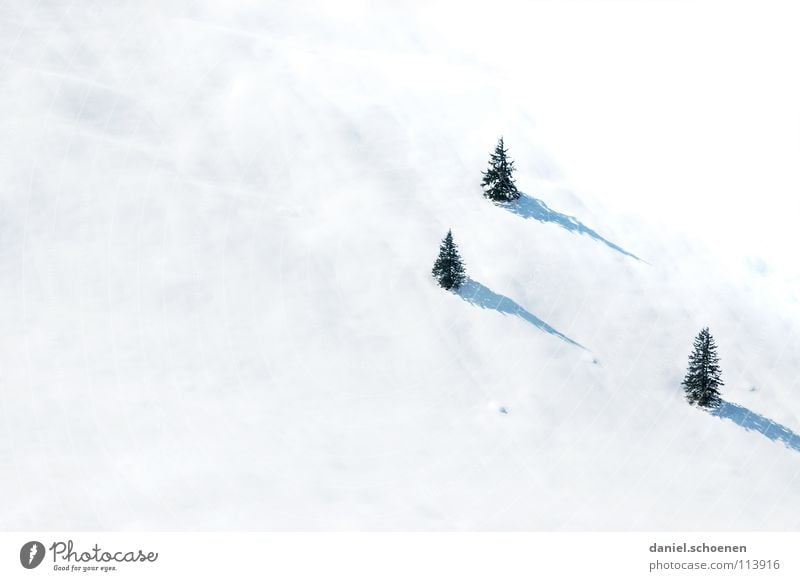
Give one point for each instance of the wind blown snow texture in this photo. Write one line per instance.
(218, 220)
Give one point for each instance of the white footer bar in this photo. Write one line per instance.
(400, 556)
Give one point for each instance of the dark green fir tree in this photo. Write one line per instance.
(498, 181)
(448, 270)
(704, 376)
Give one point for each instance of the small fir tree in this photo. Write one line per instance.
(704, 376)
(448, 270)
(498, 180)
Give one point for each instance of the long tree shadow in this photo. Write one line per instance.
(754, 422)
(477, 294)
(530, 208)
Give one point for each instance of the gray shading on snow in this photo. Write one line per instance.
(530, 208)
(753, 422)
(477, 294)
(757, 265)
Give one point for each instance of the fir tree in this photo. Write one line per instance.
(704, 376)
(449, 268)
(498, 180)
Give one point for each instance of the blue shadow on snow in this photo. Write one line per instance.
(477, 294)
(753, 422)
(530, 208)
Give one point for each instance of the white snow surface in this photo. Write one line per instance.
(218, 220)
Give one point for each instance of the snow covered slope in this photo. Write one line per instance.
(217, 223)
